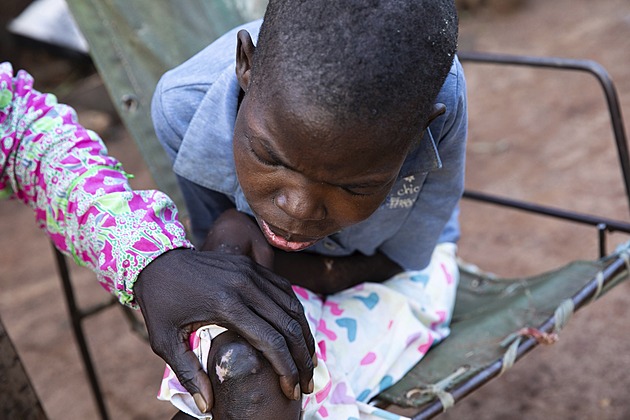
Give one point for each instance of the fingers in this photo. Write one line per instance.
(243, 297)
(286, 315)
(276, 280)
(289, 304)
(189, 372)
(297, 340)
(267, 338)
(273, 321)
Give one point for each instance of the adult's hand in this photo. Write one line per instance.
(236, 233)
(184, 289)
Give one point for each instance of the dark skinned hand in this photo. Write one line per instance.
(184, 289)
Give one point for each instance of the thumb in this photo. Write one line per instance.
(191, 375)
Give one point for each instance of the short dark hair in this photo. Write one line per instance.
(360, 59)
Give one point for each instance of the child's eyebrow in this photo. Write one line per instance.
(278, 160)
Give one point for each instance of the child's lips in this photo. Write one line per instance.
(282, 243)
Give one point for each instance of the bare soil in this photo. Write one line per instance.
(538, 135)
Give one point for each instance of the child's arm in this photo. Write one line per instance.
(327, 275)
(237, 233)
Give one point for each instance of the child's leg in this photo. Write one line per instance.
(371, 335)
(245, 385)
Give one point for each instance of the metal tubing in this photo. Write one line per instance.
(76, 318)
(601, 235)
(588, 66)
(580, 299)
(93, 310)
(611, 224)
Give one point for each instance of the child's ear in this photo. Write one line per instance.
(438, 109)
(244, 58)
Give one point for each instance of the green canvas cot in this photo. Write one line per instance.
(496, 320)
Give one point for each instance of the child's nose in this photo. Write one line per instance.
(302, 203)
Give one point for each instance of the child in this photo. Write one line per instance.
(340, 135)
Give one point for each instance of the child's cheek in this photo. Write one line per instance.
(259, 182)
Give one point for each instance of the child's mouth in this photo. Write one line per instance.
(279, 242)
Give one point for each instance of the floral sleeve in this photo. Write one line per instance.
(79, 194)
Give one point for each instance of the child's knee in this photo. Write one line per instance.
(235, 360)
(244, 383)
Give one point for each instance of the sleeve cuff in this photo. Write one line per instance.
(120, 233)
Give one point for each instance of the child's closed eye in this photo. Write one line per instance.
(264, 156)
(264, 160)
(363, 190)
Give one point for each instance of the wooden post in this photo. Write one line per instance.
(17, 396)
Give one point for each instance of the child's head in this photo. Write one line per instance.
(336, 92)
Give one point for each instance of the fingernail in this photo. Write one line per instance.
(201, 403)
(310, 387)
(297, 393)
(315, 361)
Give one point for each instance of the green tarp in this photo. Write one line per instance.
(134, 42)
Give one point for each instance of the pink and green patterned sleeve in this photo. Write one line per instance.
(79, 194)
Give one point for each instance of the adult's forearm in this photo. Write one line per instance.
(328, 275)
(79, 194)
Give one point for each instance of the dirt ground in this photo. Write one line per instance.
(534, 134)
